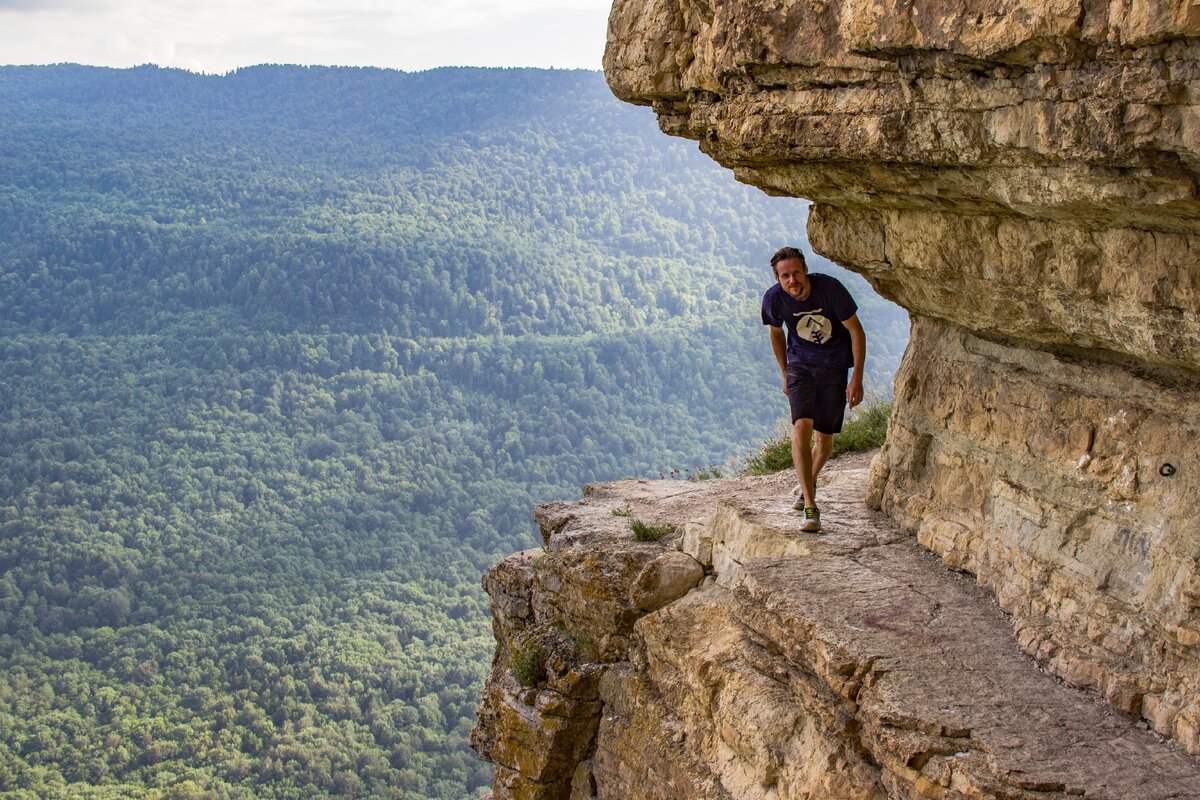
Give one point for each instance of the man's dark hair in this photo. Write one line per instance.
(783, 254)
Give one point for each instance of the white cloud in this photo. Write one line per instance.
(220, 35)
(43, 5)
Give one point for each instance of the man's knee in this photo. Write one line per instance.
(802, 433)
(823, 441)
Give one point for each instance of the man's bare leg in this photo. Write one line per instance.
(802, 459)
(822, 448)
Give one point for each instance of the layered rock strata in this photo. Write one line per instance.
(1021, 175)
(850, 665)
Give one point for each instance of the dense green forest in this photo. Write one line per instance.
(286, 358)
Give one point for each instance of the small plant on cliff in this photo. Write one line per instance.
(527, 661)
(579, 645)
(649, 533)
(866, 429)
(711, 472)
(584, 645)
(623, 511)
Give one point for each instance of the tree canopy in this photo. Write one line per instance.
(287, 356)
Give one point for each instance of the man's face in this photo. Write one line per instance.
(793, 277)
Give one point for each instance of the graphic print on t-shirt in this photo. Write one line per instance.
(813, 326)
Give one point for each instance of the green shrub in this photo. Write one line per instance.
(649, 533)
(526, 661)
(774, 454)
(866, 429)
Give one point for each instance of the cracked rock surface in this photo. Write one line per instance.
(849, 664)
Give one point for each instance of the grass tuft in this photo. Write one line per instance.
(649, 533)
(866, 429)
(774, 455)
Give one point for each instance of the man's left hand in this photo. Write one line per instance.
(854, 392)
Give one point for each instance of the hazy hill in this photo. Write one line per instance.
(287, 356)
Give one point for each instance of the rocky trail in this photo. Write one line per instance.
(849, 664)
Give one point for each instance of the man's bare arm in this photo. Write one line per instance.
(858, 346)
(779, 346)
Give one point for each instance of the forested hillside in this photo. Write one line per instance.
(286, 358)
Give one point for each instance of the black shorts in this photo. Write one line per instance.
(819, 395)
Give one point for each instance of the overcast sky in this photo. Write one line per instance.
(219, 35)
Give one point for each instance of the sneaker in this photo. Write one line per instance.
(799, 504)
(812, 520)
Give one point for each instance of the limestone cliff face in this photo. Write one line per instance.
(1022, 176)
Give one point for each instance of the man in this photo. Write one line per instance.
(824, 339)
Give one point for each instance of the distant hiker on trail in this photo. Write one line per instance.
(824, 339)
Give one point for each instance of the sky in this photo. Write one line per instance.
(216, 36)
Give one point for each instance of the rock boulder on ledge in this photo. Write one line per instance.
(1022, 176)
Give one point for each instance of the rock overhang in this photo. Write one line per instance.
(1079, 118)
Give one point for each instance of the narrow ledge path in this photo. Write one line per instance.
(914, 663)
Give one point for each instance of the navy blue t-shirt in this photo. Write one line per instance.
(816, 336)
